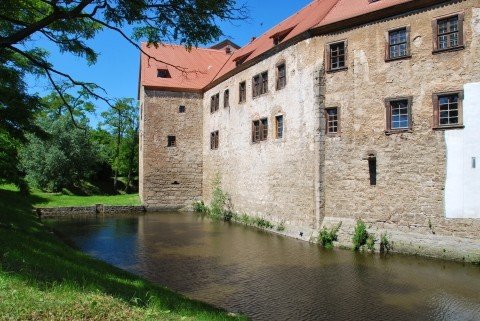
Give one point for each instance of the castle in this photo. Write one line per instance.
(348, 109)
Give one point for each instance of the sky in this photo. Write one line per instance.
(117, 67)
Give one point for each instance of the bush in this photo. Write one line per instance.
(327, 237)
(262, 223)
(219, 199)
(371, 242)
(385, 245)
(200, 207)
(360, 235)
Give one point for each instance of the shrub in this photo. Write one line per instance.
(200, 207)
(360, 235)
(371, 242)
(385, 245)
(219, 199)
(327, 237)
(262, 223)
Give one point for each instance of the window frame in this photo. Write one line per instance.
(277, 117)
(279, 86)
(262, 130)
(214, 140)
(171, 141)
(388, 113)
(328, 57)
(388, 45)
(226, 98)
(332, 134)
(214, 103)
(435, 34)
(242, 95)
(436, 110)
(260, 84)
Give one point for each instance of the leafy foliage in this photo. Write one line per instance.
(326, 237)
(63, 160)
(360, 235)
(219, 199)
(200, 207)
(385, 245)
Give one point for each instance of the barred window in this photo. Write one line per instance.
(171, 141)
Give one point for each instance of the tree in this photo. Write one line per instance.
(122, 122)
(69, 24)
(64, 160)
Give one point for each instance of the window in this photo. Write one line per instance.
(260, 84)
(448, 33)
(398, 43)
(172, 141)
(226, 98)
(181, 109)
(214, 140)
(281, 76)
(372, 169)
(260, 130)
(332, 121)
(163, 73)
(214, 103)
(447, 111)
(280, 36)
(279, 126)
(242, 92)
(399, 114)
(337, 56)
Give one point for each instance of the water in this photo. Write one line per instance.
(270, 277)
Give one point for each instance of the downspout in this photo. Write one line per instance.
(319, 84)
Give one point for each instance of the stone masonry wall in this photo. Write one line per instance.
(411, 167)
(170, 177)
(275, 178)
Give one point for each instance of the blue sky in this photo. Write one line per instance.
(117, 67)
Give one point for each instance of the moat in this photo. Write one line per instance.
(271, 277)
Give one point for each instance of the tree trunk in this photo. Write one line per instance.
(131, 159)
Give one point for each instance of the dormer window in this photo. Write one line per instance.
(241, 59)
(163, 73)
(279, 36)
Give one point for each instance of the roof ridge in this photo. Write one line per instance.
(182, 46)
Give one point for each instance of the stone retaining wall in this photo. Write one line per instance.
(87, 210)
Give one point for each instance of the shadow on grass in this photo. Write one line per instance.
(30, 251)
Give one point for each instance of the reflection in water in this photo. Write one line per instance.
(270, 277)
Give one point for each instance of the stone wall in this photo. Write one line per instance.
(80, 211)
(275, 178)
(411, 166)
(170, 177)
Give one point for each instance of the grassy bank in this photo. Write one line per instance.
(41, 278)
(40, 199)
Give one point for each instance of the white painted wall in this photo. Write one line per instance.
(462, 190)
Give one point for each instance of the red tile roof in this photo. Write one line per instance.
(212, 64)
(196, 67)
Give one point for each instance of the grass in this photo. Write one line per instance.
(41, 199)
(41, 278)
